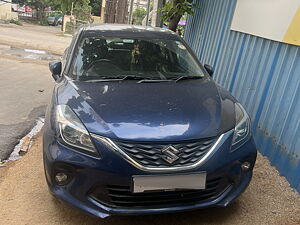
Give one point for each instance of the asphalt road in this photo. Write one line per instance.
(47, 38)
(25, 87)
(25, 81)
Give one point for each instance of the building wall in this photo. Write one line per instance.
(262, 74)
(140, 4)
(5, 11)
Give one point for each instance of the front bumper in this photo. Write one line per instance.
(111, 170)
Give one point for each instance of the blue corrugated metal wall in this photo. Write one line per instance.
(262, 74)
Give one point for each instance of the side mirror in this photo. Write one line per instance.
(55, 68)
(209, 69)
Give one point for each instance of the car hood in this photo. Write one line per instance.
(164, 111)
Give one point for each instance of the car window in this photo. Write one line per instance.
(68, 53)
(98, 57)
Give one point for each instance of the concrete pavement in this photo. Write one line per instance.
(25, 82)
(25, 89)
(47, 38)
(25, 199)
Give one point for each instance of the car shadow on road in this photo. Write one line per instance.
(203, 216)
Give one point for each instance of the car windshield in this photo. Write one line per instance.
(108, 58)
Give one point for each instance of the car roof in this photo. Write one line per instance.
(128, 31)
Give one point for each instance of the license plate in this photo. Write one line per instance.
(169, 182)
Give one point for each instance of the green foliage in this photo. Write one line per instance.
(55, 5)
(39, 6)
(138, 15)
(70, 29)
(82, 12)
(55, 14)
(177, 8)
(81, 8)
(66, 6)
(95, 7)
(17, 22)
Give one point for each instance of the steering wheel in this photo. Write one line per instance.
(96, 62)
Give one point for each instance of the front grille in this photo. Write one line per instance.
(151, 154)
(121, 196)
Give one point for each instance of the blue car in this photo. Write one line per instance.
(136, 125)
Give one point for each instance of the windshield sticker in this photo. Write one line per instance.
(130, 41)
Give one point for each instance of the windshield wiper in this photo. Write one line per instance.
(187, 78)
(176, 79)
(117, 78)
(133, 77)
(150, 80)
(142, 79)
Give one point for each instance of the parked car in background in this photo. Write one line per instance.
(137, 125)
(28, 9)
(55, 19)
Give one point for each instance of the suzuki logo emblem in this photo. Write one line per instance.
(170, 154)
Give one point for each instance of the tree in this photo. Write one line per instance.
(116, 11)
(81, 8)
(38, 5)
(96, 7)
(174, 10)
(66, 5)
(138, 15)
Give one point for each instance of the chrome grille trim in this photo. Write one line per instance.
(111, 145)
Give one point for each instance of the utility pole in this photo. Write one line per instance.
(130, 12)
(72, 6)
(155, 21)
(148, 11)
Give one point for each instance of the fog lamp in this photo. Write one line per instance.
(245, 166)
(61, 178)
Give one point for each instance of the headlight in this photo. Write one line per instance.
(242, 129)
(72, 131)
